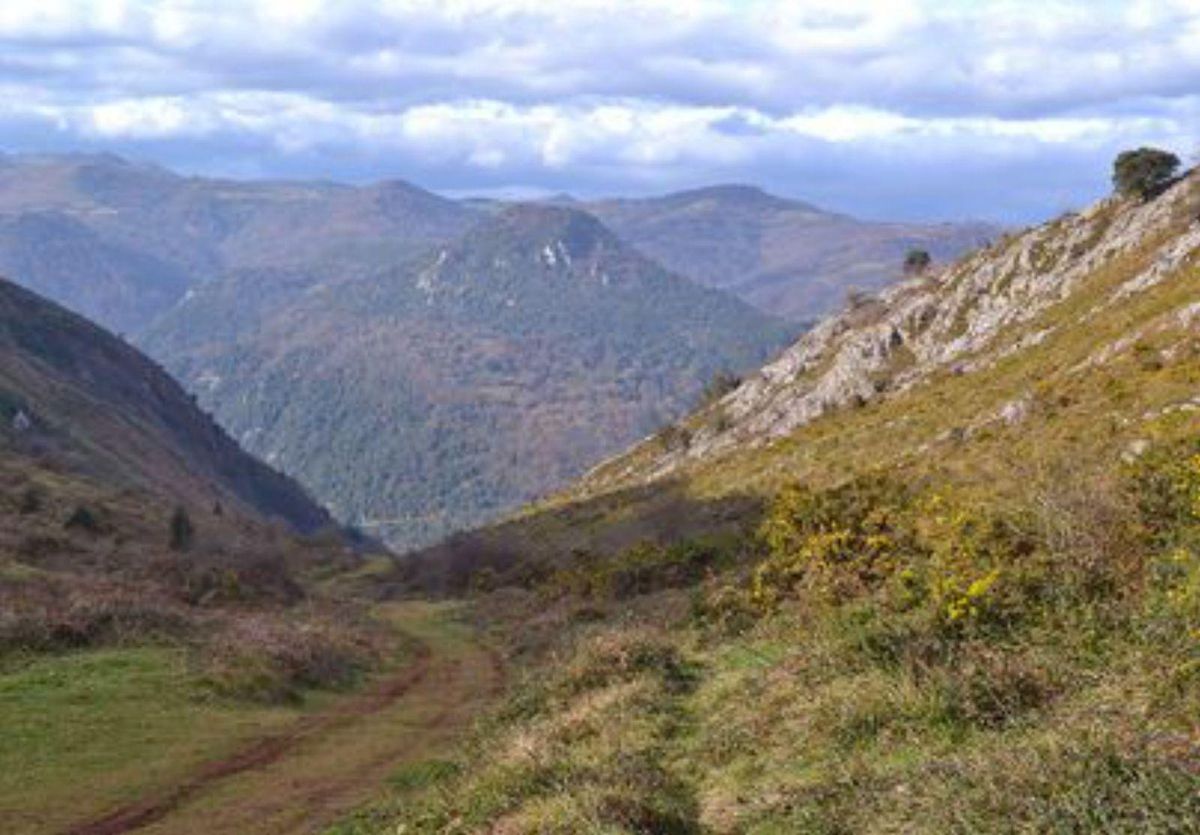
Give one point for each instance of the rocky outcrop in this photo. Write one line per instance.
(988, 306)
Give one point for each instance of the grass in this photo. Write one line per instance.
(87, 731)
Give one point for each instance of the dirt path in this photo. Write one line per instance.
(328, 763)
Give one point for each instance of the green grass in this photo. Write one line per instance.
(84, 732)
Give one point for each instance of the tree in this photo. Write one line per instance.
(720, 385)
(181, 530)
(1143, 173)
(917, 261)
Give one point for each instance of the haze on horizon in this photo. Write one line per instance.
(1004, 110)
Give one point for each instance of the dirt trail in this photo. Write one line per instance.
(305, 777)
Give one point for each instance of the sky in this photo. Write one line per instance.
(1007, 110)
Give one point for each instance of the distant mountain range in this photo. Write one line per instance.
(430, 395)
(122, 242)
(421, 363)
(783, 256)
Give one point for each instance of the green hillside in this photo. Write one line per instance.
(428, 397)
(933, 570)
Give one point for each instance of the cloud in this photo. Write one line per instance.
(605, 96)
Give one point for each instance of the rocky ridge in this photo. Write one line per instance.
(985, 308)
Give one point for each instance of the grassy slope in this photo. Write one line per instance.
(87, 731)
(804, 689)
(90, 732)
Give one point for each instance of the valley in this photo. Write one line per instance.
(499, 417)
(932, 568)
(323, 326)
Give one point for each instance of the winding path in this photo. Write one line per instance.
(328, 763)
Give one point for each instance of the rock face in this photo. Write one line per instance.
(424, 397)
(959, 321)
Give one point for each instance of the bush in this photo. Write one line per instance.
(182, 531)
(622, 655)
(82, 518)
(836, 543)
(263, 659)
(1143, 173)
(52, 619)
(642, 569)
(722, 383)
(917, 261)
(674, 438)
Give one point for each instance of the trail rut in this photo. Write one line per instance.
(323, 766)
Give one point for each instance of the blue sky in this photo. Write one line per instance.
(1009, 110)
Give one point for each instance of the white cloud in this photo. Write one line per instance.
(604, 91)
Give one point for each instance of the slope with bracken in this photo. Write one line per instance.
(424, 397)
(75, 396)
(934, 570)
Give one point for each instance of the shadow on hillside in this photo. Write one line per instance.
(523, 550)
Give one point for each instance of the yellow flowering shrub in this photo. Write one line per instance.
(834, 543)
(1166, 483)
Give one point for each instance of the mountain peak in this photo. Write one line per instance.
(538, 225)
(740, 195)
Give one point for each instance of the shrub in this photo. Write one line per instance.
(182, 531)
(621, 655)
(1166, 484)
(917, 262)
(261, 658)
(52, 618)
(83, 518)
(1143, 173)
(647, 568)
(674, 438)
(722, 383)
(836, 542)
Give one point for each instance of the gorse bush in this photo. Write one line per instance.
(835, 543)
(642, 569)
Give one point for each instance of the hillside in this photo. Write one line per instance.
(420, 398)
(783, 256)
(933, 570)
(76, 397)
(121, 242)
(162, 621)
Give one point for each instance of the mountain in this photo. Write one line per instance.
(887, 584)
(121, 242)
(76, 398)
(1043, 300)
(419, 398)
(783, 256)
